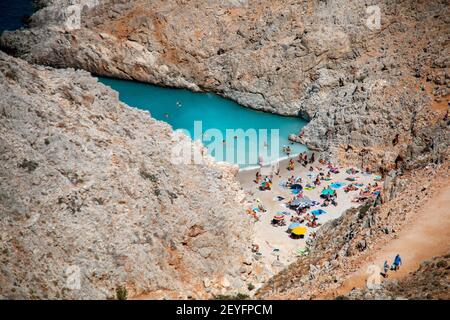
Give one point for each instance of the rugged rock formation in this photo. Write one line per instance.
(430, 281)
(87, 187)
(374, 95)
(73, 153)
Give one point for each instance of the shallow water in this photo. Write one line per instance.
(182, 108)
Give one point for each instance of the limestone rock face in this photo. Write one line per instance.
(90, 201)
(374, 93)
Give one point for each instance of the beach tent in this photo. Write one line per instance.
(295, 203)
(318, 212)
(299, 231)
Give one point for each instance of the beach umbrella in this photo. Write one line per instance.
(293, 225)
(318, 212)
(299, 231)
(305, 200)
(337, 185)
(278, 217)
(327, 192)
(297, 186)
(295, 203)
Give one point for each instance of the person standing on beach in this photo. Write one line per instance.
(288, 151)
(258, 176)
(290, 165)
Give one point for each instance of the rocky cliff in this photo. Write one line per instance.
(374, 93)
(90, 201)
(87, 186)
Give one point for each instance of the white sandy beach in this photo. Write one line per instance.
(269, 237)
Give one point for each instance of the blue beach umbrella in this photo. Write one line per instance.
(318, 212)
(297, 186)
(327, 192)
(337, 185)
(293, 225)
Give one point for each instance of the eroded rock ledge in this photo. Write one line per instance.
(86, 183)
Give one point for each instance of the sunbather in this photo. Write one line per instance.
(290, 165)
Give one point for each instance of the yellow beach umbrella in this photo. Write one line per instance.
(299, 231)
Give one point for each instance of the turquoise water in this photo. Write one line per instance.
(183, 109)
